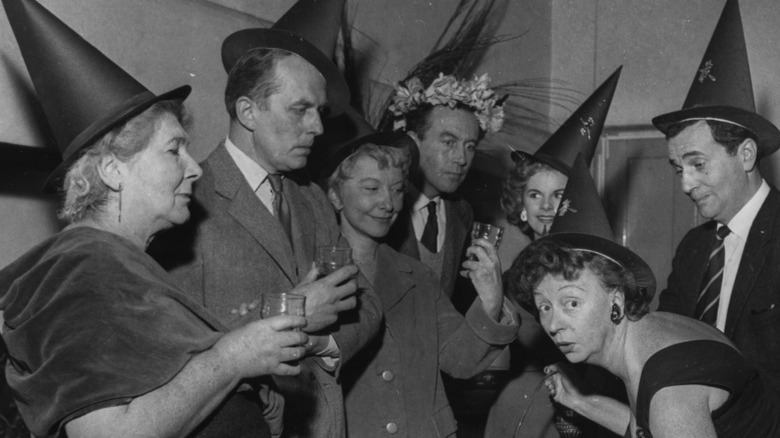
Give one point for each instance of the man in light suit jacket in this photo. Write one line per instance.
(715, 144)
(257, 220)
(447, 121)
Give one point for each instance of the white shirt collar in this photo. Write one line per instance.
(253, 172)
(741, 222)
(422, 202)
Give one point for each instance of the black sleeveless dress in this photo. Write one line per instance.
(750, 410)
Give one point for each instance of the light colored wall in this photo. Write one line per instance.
(660, 43)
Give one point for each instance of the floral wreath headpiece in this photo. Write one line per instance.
(446, 90)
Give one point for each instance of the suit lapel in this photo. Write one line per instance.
(753, 258)
(303, 225)
(248, 211)
(394, 278)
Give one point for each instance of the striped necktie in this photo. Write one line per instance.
(281, 209)
(707, 304)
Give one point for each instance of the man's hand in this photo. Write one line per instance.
(328, 296)
(265, 346)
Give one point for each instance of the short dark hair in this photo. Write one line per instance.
(728, 135)
(253, 76)
(549, 257)
(419, 119)
(514, 188)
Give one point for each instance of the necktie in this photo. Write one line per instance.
(431, 231)
(281, 209)
(707, 304)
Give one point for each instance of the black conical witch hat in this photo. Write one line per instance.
(310, 29)
(582, 223)
(83, 93)
(722, 89)
(580, 133)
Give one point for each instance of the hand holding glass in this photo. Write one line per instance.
(283, 304)
(492, 233)
(332, 258)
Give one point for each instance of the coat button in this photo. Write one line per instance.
(388, 376)
(391, 428)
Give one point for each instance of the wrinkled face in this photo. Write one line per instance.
(370, 199)
(289, 119)
(575, 314)
(716, 181)
(156, 190)
(447, 149)
(541, 197)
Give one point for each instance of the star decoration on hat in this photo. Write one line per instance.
(565, 207)
(705, 72)
(586, 125)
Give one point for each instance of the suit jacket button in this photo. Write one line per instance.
(391, 428)
(388, 376)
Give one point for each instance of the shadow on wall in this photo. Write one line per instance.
(27, 215)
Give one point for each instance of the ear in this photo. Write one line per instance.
(748, 153)
(245, 112)
(619, 298)
(335, 199)
(112, 172)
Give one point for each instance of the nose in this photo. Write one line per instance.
(193, 170)
(547, 203)
(459, 154)
(386, 200)
(553, 325)
(688, 182)
(315, 126)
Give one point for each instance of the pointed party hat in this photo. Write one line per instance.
(722, 89)
(310, 29)
(580, 133)
(582, 223)
(83, 93)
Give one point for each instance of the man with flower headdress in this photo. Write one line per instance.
(447, 120)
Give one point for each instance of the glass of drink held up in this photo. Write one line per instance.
(283, 304)
(492, 233)
(332, 258)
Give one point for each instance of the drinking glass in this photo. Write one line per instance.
(332, 258)
(493, 233)
(283, 304)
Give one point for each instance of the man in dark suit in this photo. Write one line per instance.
(447, 122)
(725, 272)
(257, 220)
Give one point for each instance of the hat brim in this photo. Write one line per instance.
(238, 43)
(767, 133)
(394, 139)
(605, 247)
(121, 114)
(544, 159)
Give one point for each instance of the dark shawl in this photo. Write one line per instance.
(91, 321)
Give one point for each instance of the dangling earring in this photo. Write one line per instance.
(524, 216)
(120, 203)
(615, 315)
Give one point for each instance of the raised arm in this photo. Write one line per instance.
(176, 408)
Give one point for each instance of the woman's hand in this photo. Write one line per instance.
(564, 384)
(485, 274)
(267, 346)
